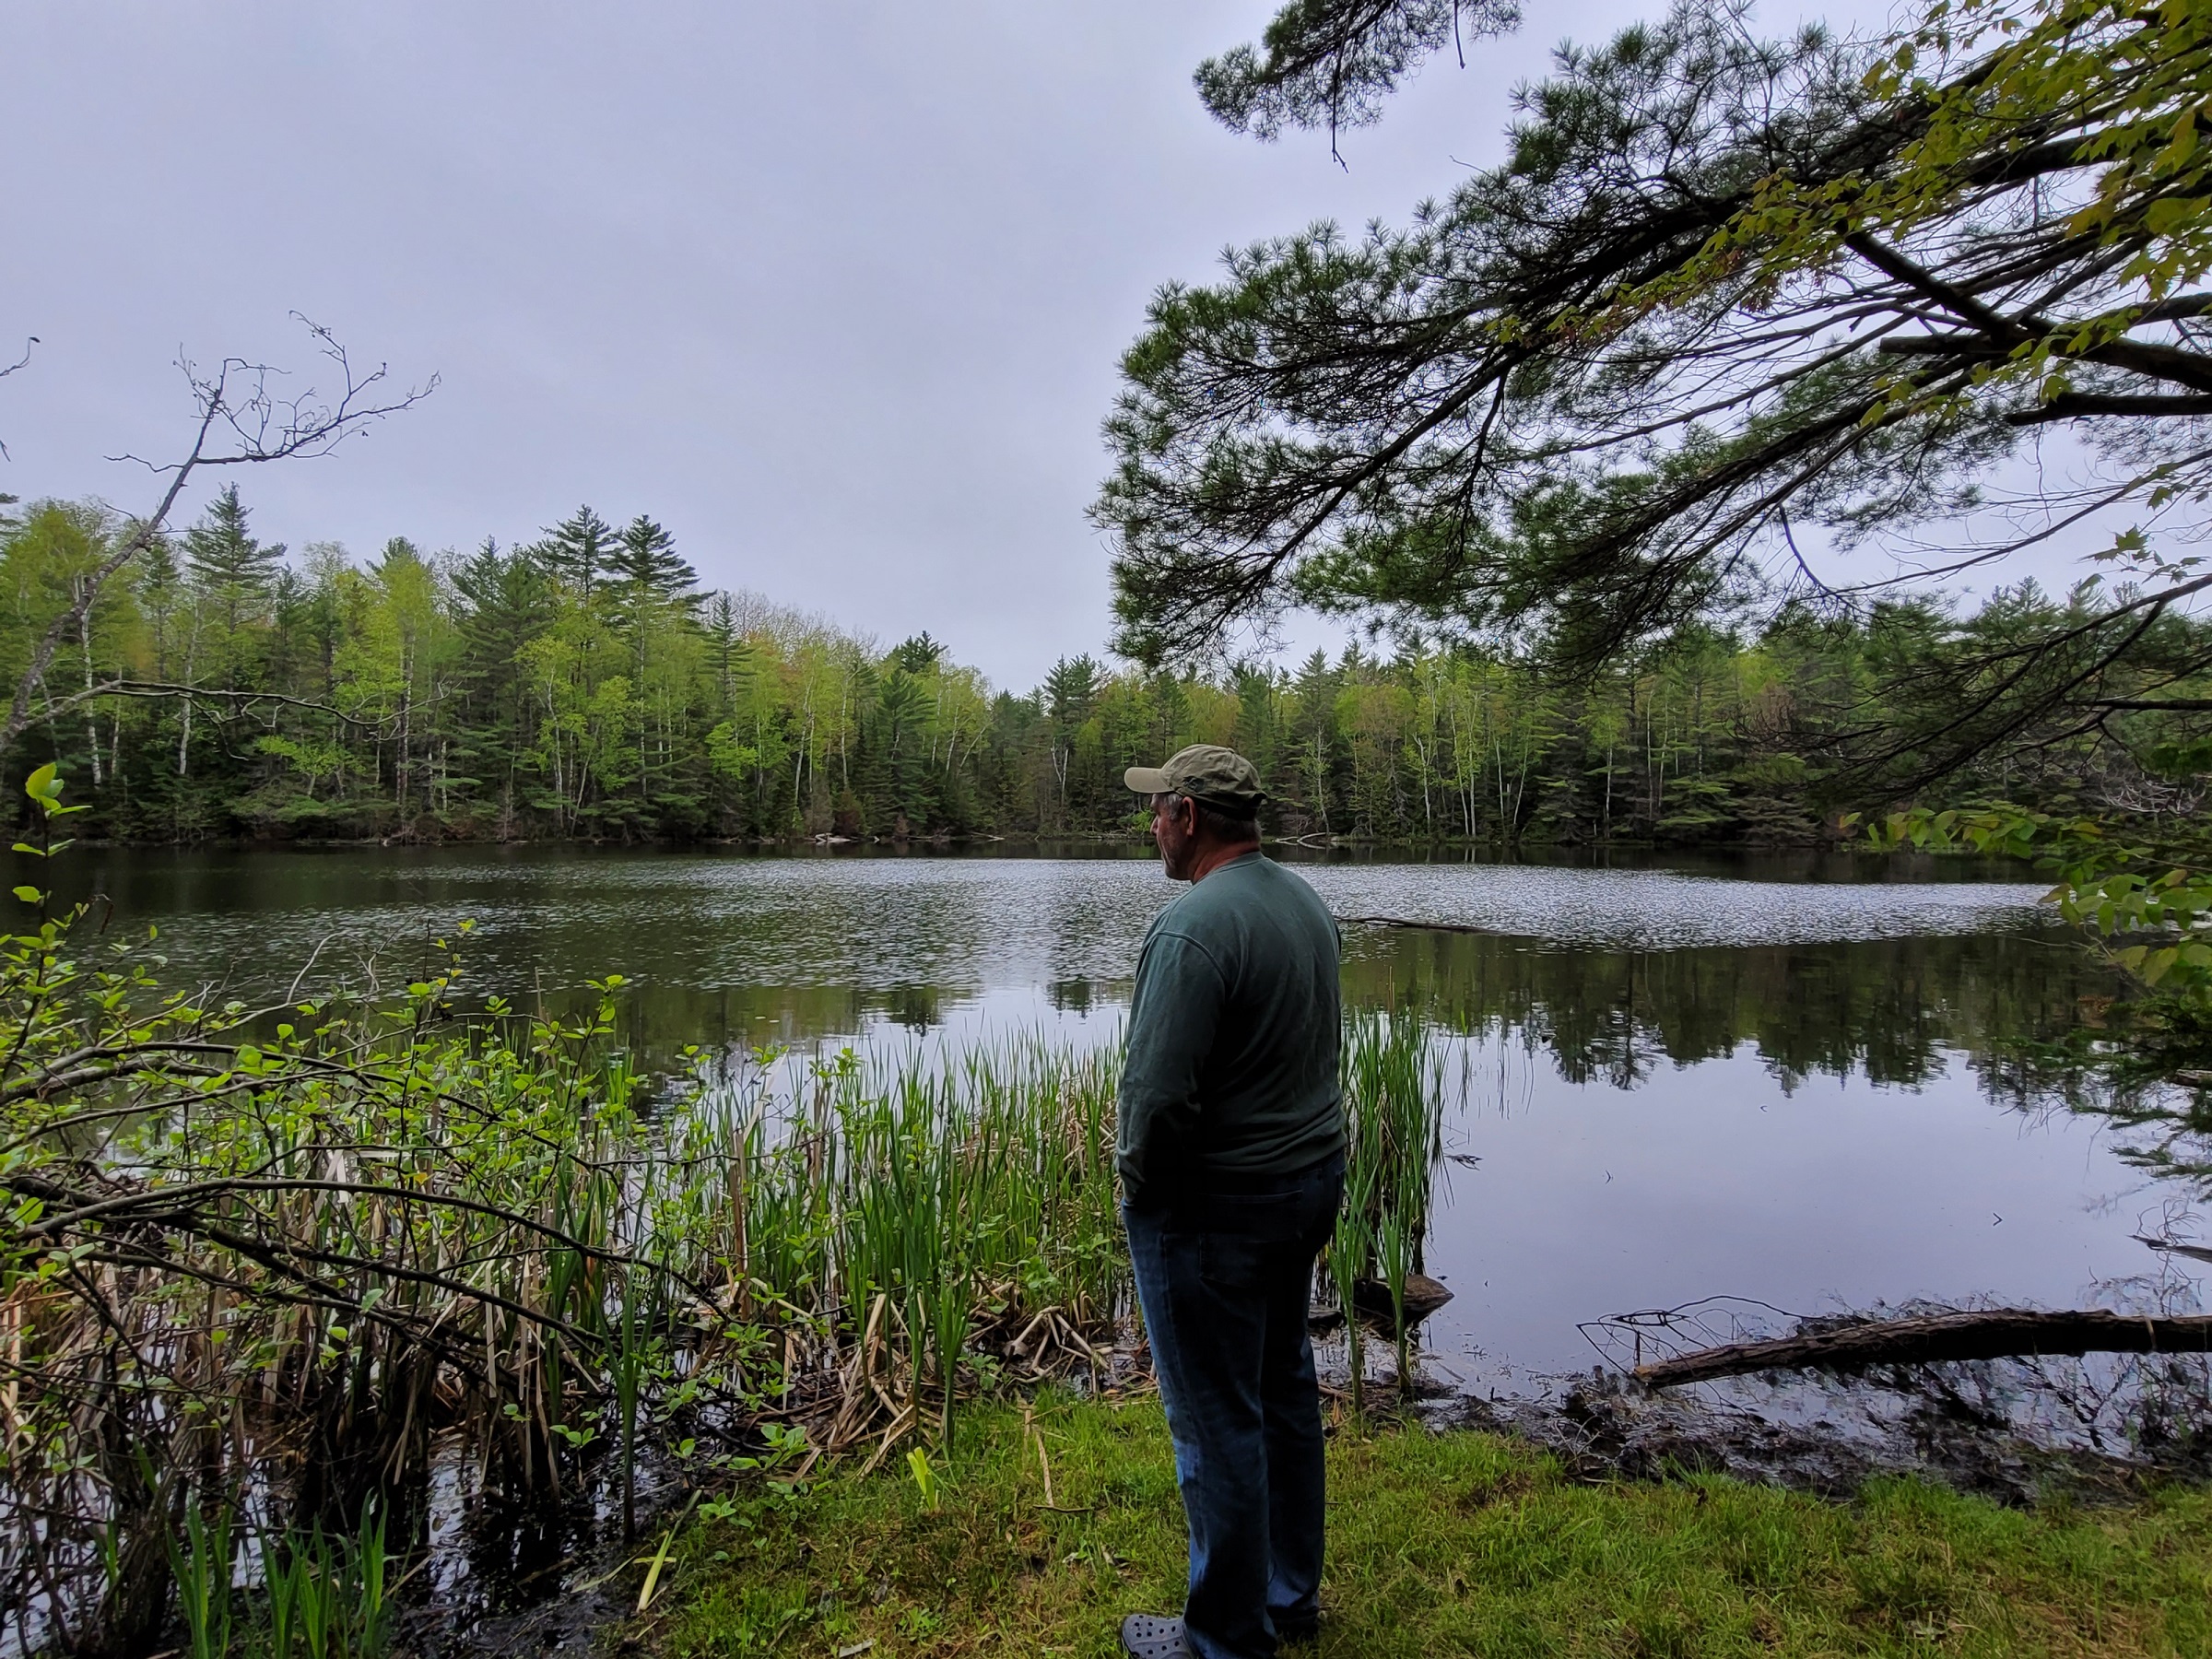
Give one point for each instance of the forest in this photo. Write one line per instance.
(584, 685)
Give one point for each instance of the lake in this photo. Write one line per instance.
(1789, 1078)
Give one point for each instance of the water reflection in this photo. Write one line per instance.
(1802, 1082)
(1608, 968)
(1889, 1010)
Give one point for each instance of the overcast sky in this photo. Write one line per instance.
(833, 290)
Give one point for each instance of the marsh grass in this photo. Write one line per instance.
(1458, 1543)
(319, 1597)
(916, 1225)
(1394, 1093)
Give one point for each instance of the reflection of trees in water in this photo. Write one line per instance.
(2160, 1125)
(658, 1022)
(2165, 1131)
(1891, 1011)
(2023, 1009)
(1883, 1008)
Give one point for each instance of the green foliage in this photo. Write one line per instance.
(1394, 1099)
(2148, 903)
(493, 694)
(1725, 299)
(1329, 63)
(254, 1260)
(325, 1600)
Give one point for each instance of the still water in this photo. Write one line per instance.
(1788, 1079)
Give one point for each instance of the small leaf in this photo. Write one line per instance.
(2169, 214)
(29, 895)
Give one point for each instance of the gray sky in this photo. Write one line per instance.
(833, 290)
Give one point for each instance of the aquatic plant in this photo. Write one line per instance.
(1393, 1073)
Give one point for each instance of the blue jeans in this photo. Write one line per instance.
(1225, 1279)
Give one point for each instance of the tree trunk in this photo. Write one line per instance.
(1999, 1334)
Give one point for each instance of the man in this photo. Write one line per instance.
(1231, 1158)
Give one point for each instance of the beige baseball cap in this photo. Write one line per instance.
(1205, 771)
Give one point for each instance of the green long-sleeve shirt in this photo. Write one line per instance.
(1231, 1066)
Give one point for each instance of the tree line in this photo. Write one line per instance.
(584, 685)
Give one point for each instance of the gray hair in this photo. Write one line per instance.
(1220, 822)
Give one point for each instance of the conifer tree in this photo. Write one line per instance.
(579, 550)
(1724, 300)
(645, 561)
(235, 572)
(917, 654)
(505, 604)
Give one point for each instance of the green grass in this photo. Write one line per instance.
(1460, 1542)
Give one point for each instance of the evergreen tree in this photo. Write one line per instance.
(223, 557)
(505, 604)
(237, 574)
(646, 563)
(579, 550)
(161, 585)
(480, 696)
(1723, 300)
(918, 653)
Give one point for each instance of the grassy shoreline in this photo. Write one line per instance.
(1454, 1543)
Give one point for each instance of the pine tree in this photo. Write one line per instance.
(647, 564)
(160, 591)
(917, 654)
(235, 570)
(1070, 689)
(579, 550)
(505, 604)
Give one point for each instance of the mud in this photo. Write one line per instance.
(1829, 1439)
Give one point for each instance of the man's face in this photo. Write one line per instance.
(1175, 833)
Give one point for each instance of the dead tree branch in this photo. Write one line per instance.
(242, 422)
(2000, 1334)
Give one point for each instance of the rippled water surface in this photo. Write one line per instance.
(1789, 1079)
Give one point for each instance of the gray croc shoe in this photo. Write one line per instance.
(1147, 1636)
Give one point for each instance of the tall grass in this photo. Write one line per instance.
(279, 1267)
(1393, 1094)
(900, 1206)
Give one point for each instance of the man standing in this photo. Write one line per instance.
(1232, 1158)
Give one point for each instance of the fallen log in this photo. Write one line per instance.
(1999, 1334)
(1458, 927)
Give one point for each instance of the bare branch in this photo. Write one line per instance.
(29, 341)
(235, 399)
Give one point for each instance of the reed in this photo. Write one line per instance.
(325, 1600)
(200, 1559)
(1393, 1090)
